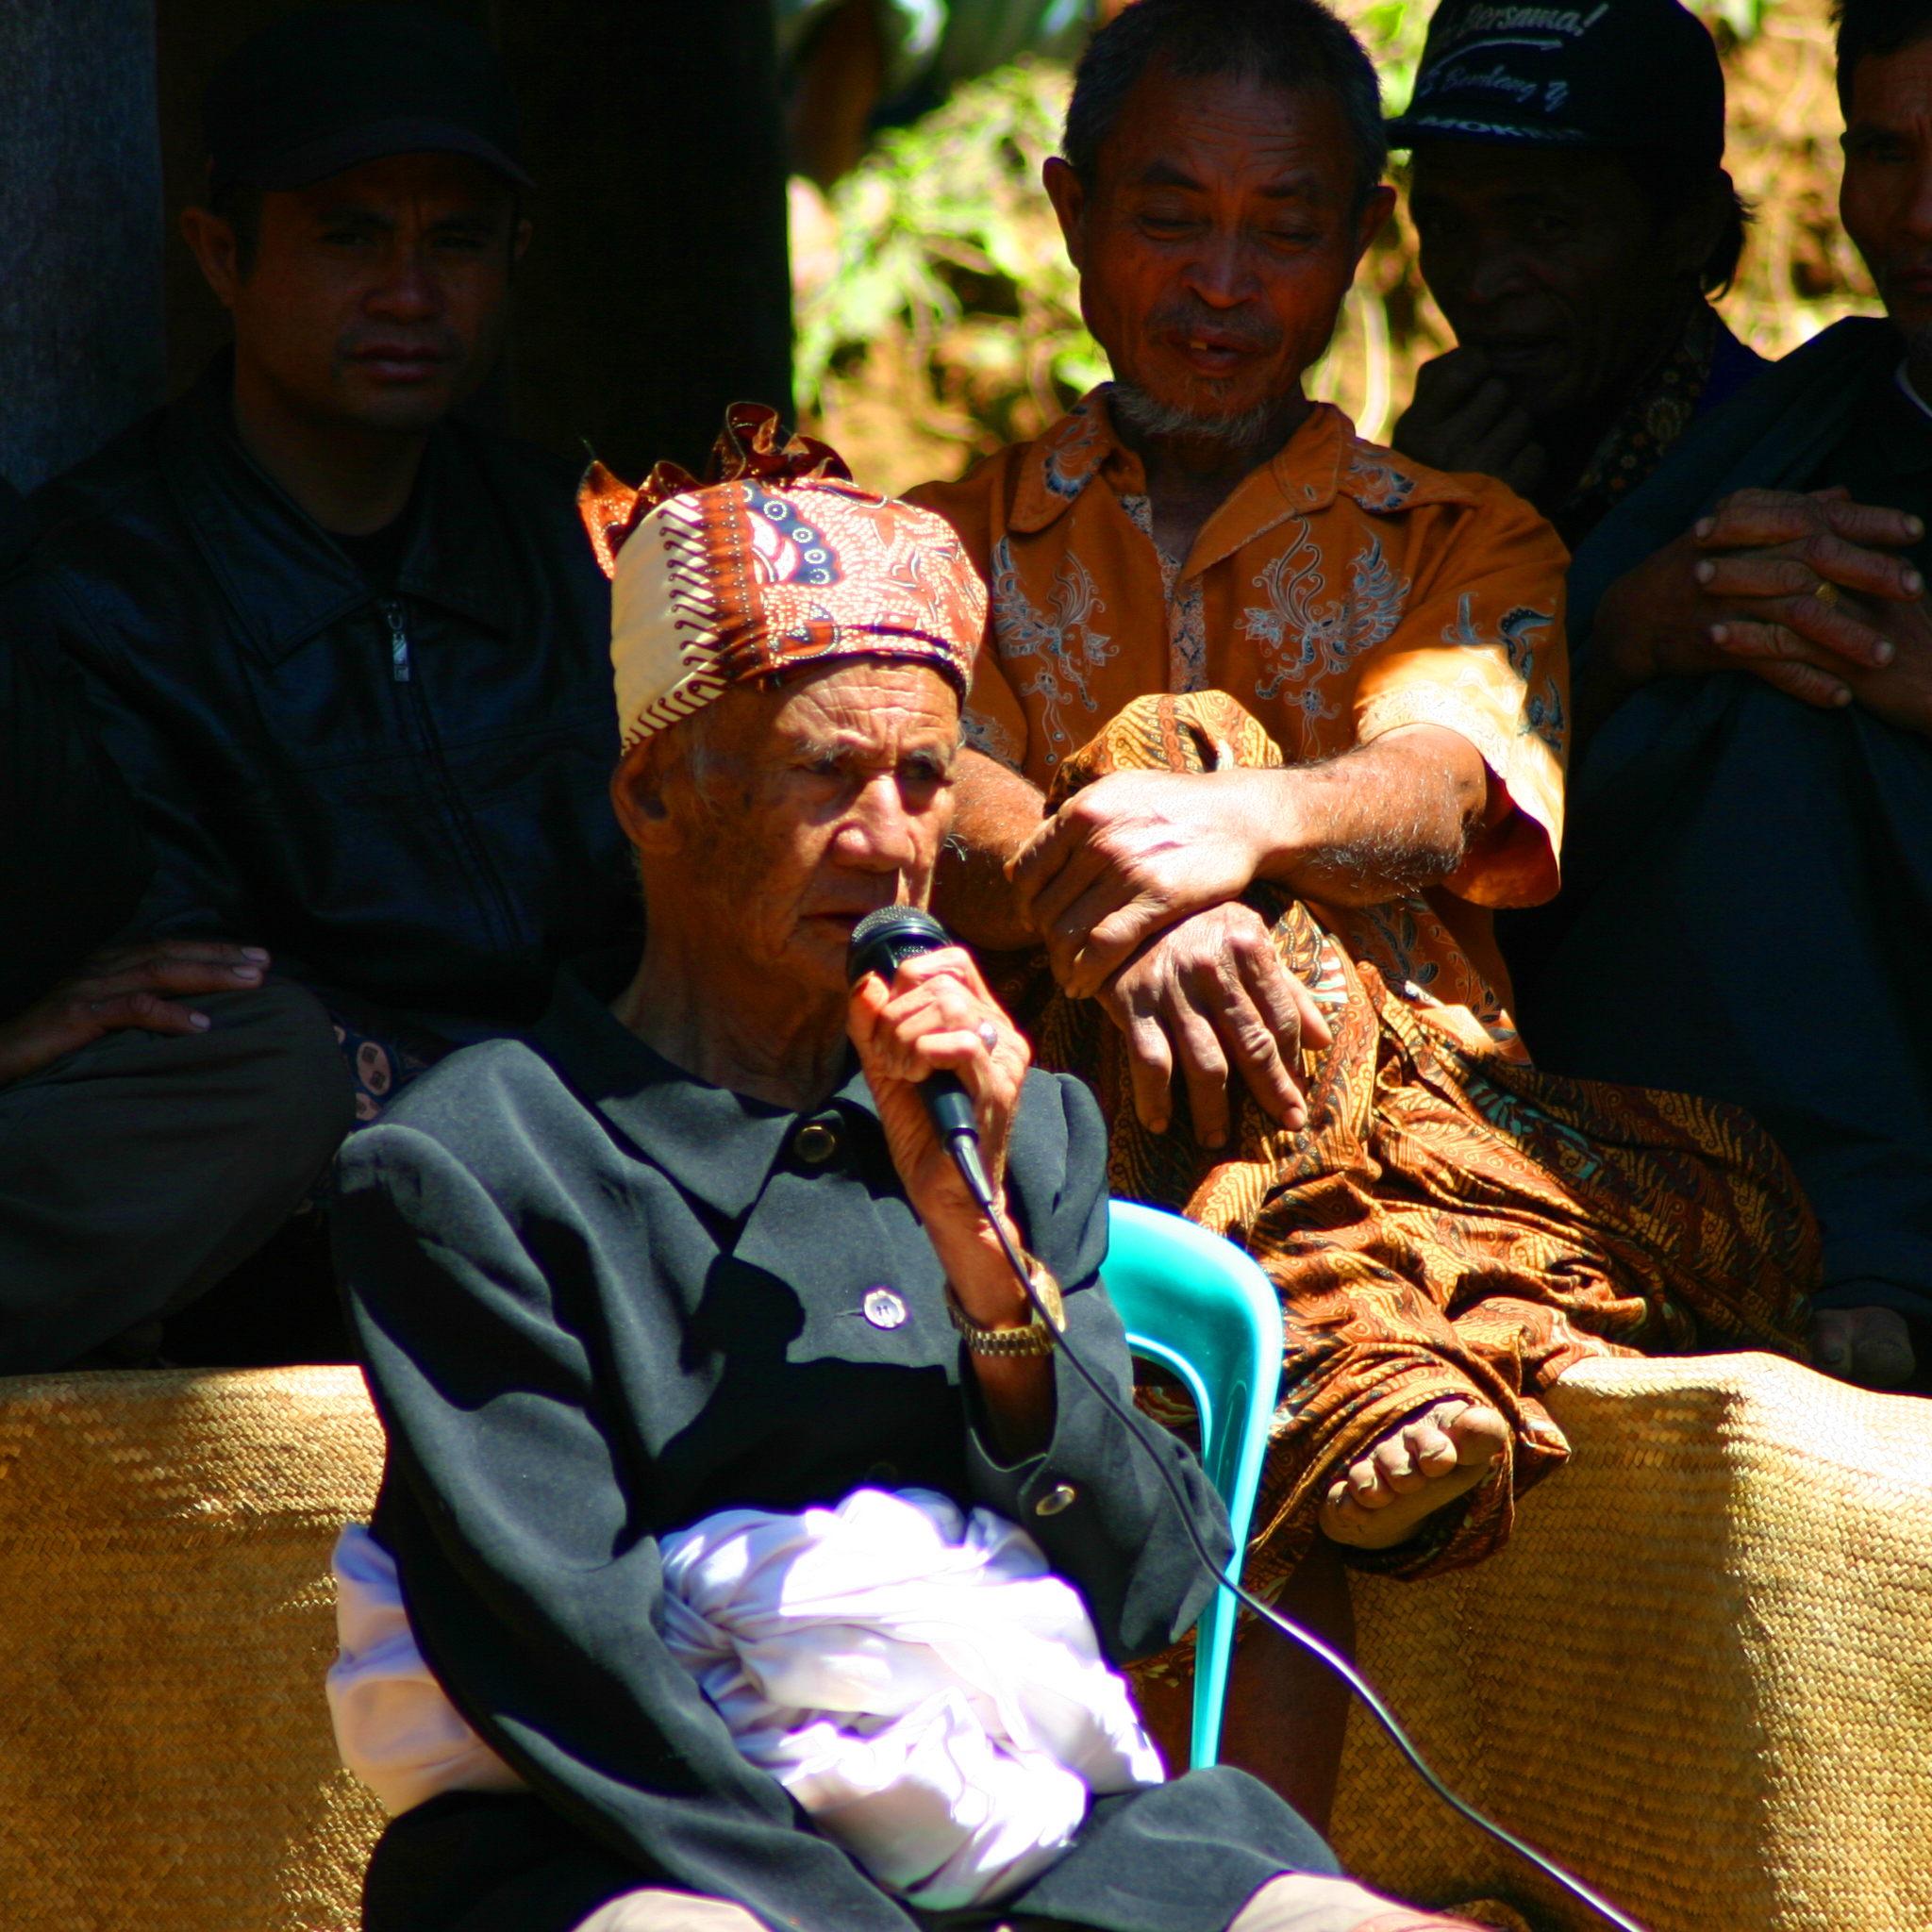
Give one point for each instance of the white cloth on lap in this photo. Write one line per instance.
(396, 1727)
(917, 1679)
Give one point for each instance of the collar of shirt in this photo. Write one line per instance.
(1894, 430)
(1303, 476)
(285, 577)
(717, 1145)
(1904, 380)
(1323, 460)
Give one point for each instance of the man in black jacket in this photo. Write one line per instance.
(100, 1042)
(349, 653)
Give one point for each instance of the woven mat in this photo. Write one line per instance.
(166, 1615)
(1701, 1673)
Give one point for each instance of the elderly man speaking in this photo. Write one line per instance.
(738, 1500)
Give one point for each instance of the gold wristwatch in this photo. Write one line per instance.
(1038, 1338)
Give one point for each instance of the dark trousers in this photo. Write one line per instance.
(1182, 1856)
(138, 1172)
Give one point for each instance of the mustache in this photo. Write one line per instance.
(1180, 316)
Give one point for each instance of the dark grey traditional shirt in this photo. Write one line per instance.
(600, 1299)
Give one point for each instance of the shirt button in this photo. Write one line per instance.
(883, 1308)
(815, 1144)
(1063, 1496)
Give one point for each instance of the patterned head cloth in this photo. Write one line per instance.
(779, 560)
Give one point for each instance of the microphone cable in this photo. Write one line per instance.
(881, 943)
(966, 1158)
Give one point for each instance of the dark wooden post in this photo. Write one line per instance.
(657, 289)
(81, 350)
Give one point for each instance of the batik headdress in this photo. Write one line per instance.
(776, 560)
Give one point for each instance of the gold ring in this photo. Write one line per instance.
(1826, 592)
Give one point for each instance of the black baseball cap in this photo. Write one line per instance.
(334, 87)
(1614, 74)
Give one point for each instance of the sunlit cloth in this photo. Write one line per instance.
(1341, 591)
(1452, 1222)
(779, 561)
(916, 1677)
(396, 1727)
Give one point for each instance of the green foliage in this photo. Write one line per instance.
(945, 238)
(1392, 32)
(937, 317)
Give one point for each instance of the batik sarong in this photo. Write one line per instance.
(1451, 1221)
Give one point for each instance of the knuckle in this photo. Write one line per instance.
(1254, 1045)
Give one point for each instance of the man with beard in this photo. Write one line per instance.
(1756, 676)
(1267, 721)
(1574, 218)
(349, 655)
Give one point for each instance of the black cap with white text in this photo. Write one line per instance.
(1616, 74)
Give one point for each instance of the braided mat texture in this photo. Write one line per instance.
(1700, 1675)
(166, 1616)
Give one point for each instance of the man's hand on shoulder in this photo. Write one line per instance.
(1797, 590)
(1462, 418)
(1900, 692)
(138, 985)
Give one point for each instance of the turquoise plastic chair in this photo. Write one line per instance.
(1200, 1306)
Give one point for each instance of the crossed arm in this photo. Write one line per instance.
(1134, 886)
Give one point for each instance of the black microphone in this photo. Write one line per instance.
(881, 943)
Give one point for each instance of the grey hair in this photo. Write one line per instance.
(1291, 44)
(1258, 426)
(693, 744)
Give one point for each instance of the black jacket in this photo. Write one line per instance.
(73, 860)
(415, 811)
(599, 1300)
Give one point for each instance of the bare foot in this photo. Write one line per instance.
(1870, 1346)
(1439, 1453)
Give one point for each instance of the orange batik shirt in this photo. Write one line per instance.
(1340, 591)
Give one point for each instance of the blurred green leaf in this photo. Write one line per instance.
(956, 195)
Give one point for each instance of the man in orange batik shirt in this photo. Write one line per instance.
(1342, 594)
(1266, 721)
